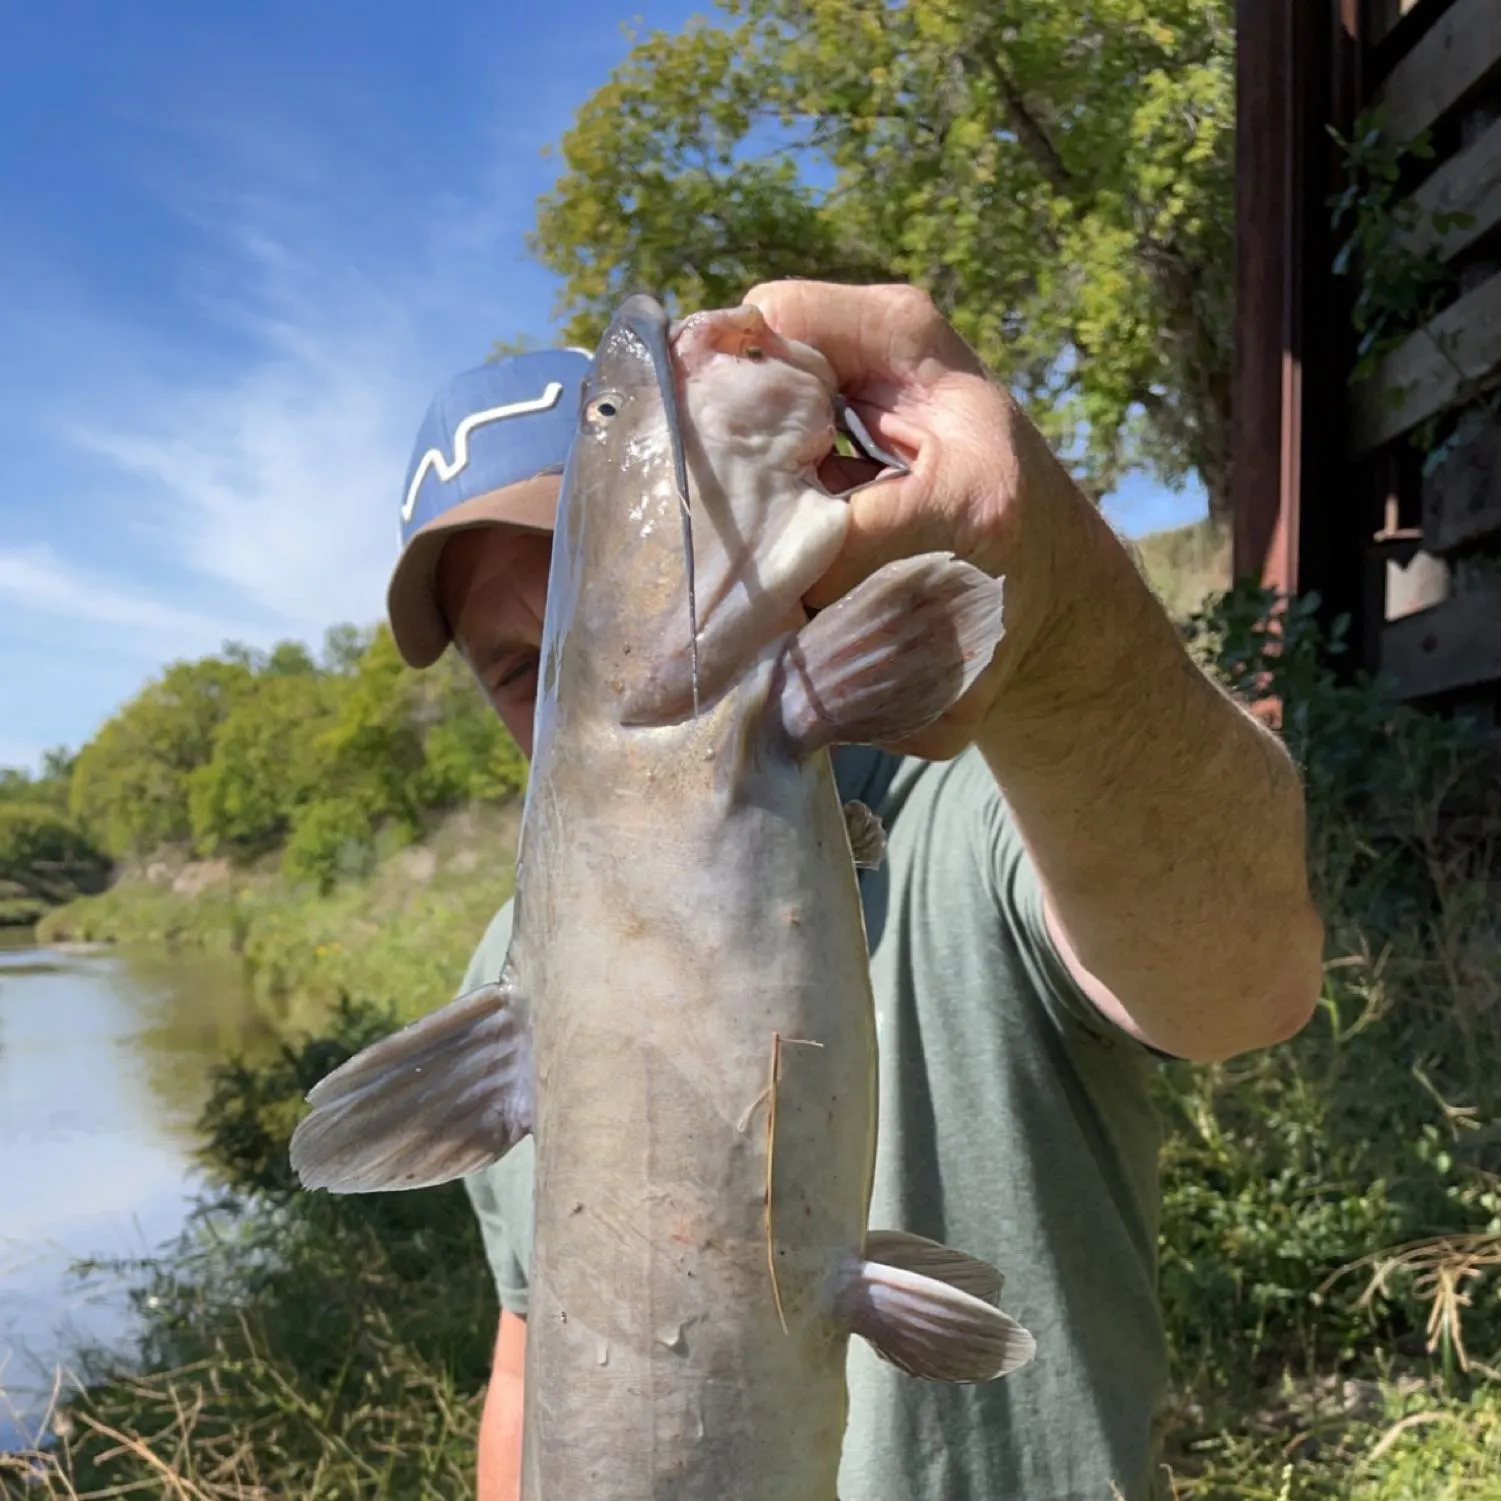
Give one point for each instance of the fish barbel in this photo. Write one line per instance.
(685, 1018)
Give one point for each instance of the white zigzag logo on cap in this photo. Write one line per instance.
(433, 459)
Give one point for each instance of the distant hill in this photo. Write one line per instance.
(1185, 564)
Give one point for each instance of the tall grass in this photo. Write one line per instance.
(1331, 1240)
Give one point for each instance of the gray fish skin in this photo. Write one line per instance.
(685, 1020)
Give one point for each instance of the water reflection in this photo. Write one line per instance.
(104, 1062)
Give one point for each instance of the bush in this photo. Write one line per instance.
(33, 834)
(1334, 1205)
(44, 859)
(331, 840)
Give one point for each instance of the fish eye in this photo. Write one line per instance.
(602, 410)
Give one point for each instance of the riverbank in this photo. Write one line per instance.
(106, 1063)
(399, 937)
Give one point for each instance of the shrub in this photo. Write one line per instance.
(332, 839)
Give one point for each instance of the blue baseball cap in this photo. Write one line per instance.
(490, 451)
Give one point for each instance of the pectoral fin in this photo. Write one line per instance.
(889, 657)
(929, 1328)
(915, 1253)
(443, 1097)
(867, 836)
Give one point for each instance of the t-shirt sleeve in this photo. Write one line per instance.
(500, 1194)
(1019, 899)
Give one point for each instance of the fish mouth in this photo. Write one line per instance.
(645, 319)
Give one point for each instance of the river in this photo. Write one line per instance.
(104, 1064)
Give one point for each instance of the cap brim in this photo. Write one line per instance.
(417, 624)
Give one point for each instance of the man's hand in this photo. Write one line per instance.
(982, 484)
(1165, 824)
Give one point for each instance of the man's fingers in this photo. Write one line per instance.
(868, 334)
(833, 319)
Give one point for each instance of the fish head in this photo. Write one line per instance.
(618, 567)
(691, 520)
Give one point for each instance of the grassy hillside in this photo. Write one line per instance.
(1185, 565)
(398, 936)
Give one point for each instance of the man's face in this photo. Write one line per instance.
(492, 589)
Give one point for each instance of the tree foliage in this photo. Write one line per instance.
(267, 761)
(243, 752)
(35, 835)
(130, 788)
(1056, 175)
(49, 789)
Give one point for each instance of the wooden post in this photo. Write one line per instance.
(1299, 525)
(1260, 484)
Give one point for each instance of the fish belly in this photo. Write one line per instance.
(680, 1341)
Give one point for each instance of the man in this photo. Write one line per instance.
(1095, 859)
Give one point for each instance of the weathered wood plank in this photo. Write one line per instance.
(1468, 183)
(1425, 374)
(1453, 58)
(1454, 645)
(1462, 497)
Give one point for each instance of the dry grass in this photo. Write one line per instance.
(1185, 565)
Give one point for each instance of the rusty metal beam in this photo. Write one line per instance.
(1301, 518)
(1260, 484)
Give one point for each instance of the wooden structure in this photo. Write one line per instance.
(1330, 493)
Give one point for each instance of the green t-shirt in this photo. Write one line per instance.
(1015, 1124)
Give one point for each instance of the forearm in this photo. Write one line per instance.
(500, 1428)
(1166, 824)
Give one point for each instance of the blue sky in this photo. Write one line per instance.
(241, 245)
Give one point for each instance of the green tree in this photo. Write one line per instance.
(1057, 175)
(246, 750)
(44, 857)
(130, 785)
(405, 741)
(468, 755)
(343, 646)
(372, 749)
(267, 760)
(16, 785)
(289, 659)
(50, 789)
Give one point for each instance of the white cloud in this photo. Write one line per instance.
(278, 484)
(215, 449)
(35, 579)
(263, 433)
(280, 477)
